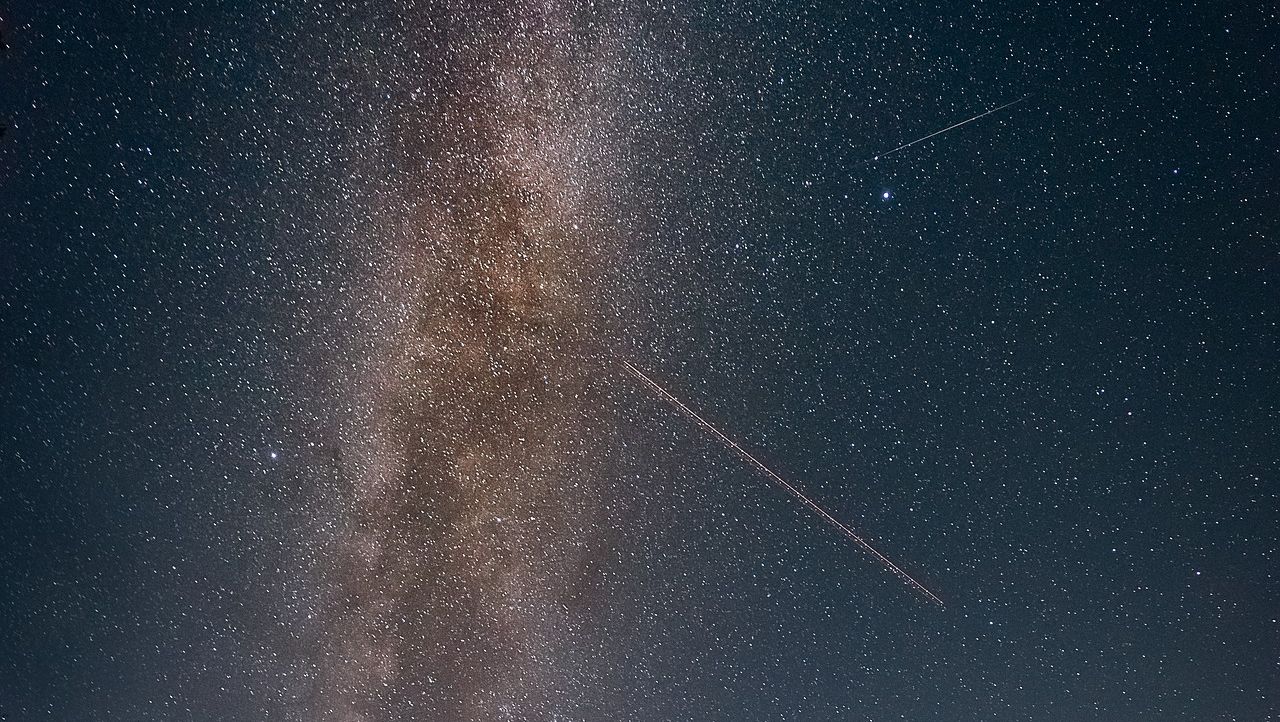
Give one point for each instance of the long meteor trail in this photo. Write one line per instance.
(810, 503)
(950, 127)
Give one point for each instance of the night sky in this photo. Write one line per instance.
(315, 320)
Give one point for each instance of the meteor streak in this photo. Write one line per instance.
(950, 127)
(810, 503)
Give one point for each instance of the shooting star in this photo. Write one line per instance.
(810, 503)
(948, 128)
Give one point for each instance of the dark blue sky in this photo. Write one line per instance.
(1034, 358)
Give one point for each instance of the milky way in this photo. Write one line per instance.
(466, 566)
(314, 404)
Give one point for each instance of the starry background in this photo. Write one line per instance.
(313, 322)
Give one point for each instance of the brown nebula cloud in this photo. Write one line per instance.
(476, 476)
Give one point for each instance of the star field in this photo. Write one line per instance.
(315, 319)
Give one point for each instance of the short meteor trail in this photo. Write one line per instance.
(950, 127)
(811, 504)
